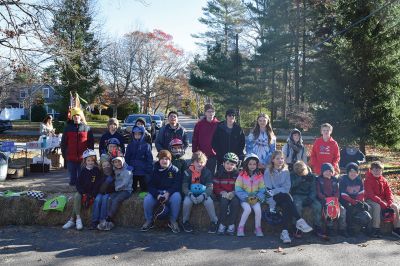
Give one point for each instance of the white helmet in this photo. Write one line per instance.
(88, 153)
(251, 156)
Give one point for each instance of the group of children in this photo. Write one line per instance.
(169, 182)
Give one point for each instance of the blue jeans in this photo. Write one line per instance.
(74, 169)
(116, 200)
(174, 203)
(99, 211)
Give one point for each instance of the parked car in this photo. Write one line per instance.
(159, 121)
(5, 125)
(130, 121)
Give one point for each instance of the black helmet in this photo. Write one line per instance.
(272, 218)
(363, 218)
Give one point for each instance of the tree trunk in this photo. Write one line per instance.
(303, 68)
(273, 92)
(115, 111)
(296, 55)
(362, 146)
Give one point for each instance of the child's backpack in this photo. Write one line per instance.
(331, 209)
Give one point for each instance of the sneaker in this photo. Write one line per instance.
(147, 226)
(187, 227)
(259, 232)
(231, 230)
(240, 231)
(109, 226)
(174, 227)
(79, 225)
(285, 237)
(376, 233)
(68, 225)
(221, 229)
(302, 225)
(102, 225)
(213, 228)
(396, 232)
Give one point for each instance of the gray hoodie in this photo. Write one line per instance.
(276, 182)
(123, 178)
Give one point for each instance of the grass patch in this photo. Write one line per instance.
(98, 124)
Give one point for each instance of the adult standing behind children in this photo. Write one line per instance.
(77, 138)
(46, 127)
(202, 136)
(112, 132)
(325, 150)
(294, 149)
(261, 140)
(171, 131)
(228, 137)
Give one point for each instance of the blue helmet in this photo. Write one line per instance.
(138, 129)
(272, 218)
(197, 189)
(114, 141)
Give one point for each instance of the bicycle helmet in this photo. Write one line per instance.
(231, 157)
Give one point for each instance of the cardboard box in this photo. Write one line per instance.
(57, 161)
(16, 171)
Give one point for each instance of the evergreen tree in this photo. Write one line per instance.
(79, 62)
(356, 78)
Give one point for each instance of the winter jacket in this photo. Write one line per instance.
(224, 142)
(377, 189)
(75, 140)
(288, 154)
(164, 179)
(202, 136)
(123, 179)
(278, 181)
(139, 156)
(104, 141)
(182, 165)
(205, 179)
(89, 181)
(303, 185)
(246, 186)
(351, 155)
(260, 147)
(224, 181)
(167, 133)
(324, 152)
(351, 191)
(327, 188)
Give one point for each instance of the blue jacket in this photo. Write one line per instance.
(104, 140)
(168, 179)
(89, 181)
(139, 156)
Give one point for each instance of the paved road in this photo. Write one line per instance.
(126, 246)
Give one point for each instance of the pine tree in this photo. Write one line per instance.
(79, 61)
(356, 77)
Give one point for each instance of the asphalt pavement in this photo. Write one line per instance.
(36, 245)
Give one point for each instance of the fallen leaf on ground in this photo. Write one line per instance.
(115, 257)
(299, 249)
(263, 251)
(183, 247)
(279, 250)
(362, 245)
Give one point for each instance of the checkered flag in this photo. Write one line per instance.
(35, 194)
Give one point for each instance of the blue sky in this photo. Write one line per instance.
(178, 18)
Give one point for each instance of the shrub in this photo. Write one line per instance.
(38, 113)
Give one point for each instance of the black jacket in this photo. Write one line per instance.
(224, 142)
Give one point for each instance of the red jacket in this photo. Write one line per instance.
(224, 181)
(377, 189)
(202, 136)
(75, 140)
(324, 152)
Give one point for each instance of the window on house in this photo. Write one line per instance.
(22, 94)
(46, 93)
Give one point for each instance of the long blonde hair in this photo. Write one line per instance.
(273, 156)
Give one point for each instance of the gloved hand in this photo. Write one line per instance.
(192, 198)
(230, 195)
(268, 193)
(224, 194)
(252, 200)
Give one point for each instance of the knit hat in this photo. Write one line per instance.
(140, 119)
(164, 153)
(327, 166)
(208, 106)
(113, 121)
(230, 112)
(351, 166)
